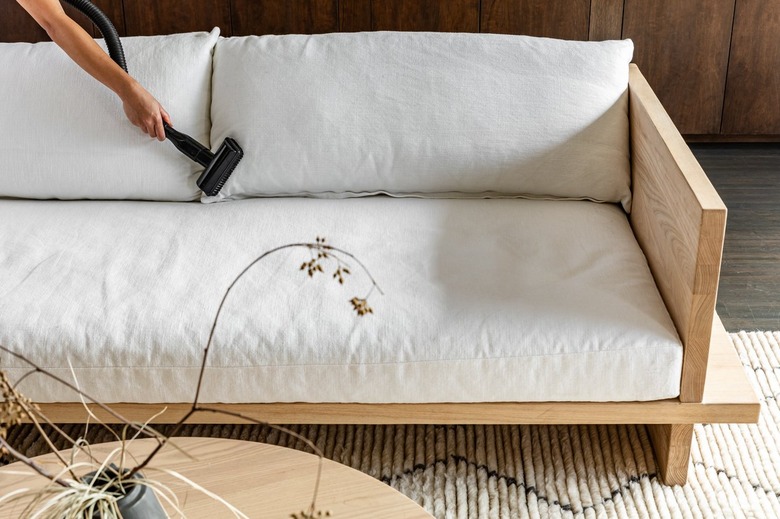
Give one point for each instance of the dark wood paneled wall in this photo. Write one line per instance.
(284, 17)
(567, 19)
(414, 15)
(710, 82)
(606, 20)
(753, 85)
(17, 25)
(148, 17)
(684, 47)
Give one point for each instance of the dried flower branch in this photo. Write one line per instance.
(14, 409)
(324, 251)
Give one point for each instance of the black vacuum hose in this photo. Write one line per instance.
(105, 27)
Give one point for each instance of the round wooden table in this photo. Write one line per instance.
(261, 480)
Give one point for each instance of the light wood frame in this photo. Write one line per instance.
(679, 221)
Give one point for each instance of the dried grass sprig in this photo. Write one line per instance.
(84, 396)
(30, 463)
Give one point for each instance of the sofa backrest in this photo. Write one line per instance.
(424, 114)
(407, 114)
(64, 135)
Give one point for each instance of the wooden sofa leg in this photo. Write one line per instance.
(672, 446)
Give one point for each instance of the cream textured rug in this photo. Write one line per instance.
(554, 471)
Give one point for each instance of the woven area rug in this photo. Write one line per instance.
(552, 471)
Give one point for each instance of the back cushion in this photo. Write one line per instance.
(431, 114)
(65, 135)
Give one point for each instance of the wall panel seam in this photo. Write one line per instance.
(728, 67)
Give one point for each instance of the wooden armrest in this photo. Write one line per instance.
(679, 221)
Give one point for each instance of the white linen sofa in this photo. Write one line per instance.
(547, 246)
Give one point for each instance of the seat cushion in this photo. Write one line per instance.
(467, 115)
(483, 300)
(64, 135)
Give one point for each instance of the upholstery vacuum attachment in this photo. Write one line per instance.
(219, 165)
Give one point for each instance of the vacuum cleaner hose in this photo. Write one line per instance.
(105, 27)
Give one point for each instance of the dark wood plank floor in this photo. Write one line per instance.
(747, 176)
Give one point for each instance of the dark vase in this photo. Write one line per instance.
(138, 501)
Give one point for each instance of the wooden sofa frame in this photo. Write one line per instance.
(679, 221)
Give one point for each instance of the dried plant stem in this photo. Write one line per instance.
(67, 384)
(323, 251)
(31, 372)
(31, 413)
(32, 463)
(285, 430)
(308, 245)
(54, 426)
(90, 414)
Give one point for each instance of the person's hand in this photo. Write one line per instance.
(144, 111)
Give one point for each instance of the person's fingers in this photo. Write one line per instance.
(165, 116)
(135, 120)
(148, 127)
(159, 130)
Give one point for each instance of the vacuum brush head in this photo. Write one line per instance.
(221, 166)
(218, 165)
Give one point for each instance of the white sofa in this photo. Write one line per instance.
(547, 247)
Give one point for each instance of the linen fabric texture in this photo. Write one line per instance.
(65, 136)
(484, 300)
(424, 114)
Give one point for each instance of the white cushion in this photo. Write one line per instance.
(484, 300)
(424, 113)
(64, 135)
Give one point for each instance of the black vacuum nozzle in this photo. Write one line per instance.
(218, 171)
(218, 165)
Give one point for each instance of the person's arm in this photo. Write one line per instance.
(141, 108)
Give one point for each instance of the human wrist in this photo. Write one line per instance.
(127, 88)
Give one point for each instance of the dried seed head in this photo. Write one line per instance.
(313, 515)
(361, 306)
(12, 407)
